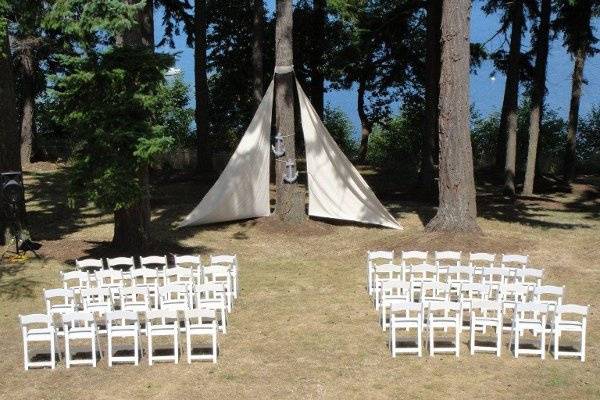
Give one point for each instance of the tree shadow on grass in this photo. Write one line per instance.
(13, 286)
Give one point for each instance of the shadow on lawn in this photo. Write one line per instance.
(13, 287)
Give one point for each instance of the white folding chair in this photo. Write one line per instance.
(444, 315)
(212, 296)
(421, 273)
(408, 258)
(136, 299)
(383, 273)
(89, 264)
(484, 314)
(178, 275)
(529, 317)
(123, 325)
(406, 316)
(576, 322)
(200, 322)
(109, 278)
(59, 301)
(193, 262)
(495, 277)
(97, 300)
(38, 328)
(470, 292)
(147, 278)
(162, 323)
(445, 259)
(220, 274)
(459, 274)
(232, 262)
(531, 277)
(515, 261)
(174, 297)
(392, 291)
(75, 280)
(80, 325)
(550, 295)
(375, 258)
(158, 263)
(478, 261)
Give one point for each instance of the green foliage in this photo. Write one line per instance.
(111, 103)
(172, 110)
(340, 127)
(588, 141)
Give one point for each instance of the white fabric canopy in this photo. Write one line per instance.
(335, 188)
(242, 190)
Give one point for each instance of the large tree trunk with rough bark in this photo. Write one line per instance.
(132, 224)
(537, 96)
(511, 96)
(317, 78)
(28, 68)
(432, 94)
(365, 123)
(201, 87)
(290, 198)
(457, 211)
(9, 134)
(576, 83)
(257, 51)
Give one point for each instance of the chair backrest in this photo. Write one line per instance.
(187, 261)
(446, 306)
(482, 259)
(572, 310)
(395, 287)
(35, 319)
(413, 257)
(379, 256)
(79, 318)
(460, 273)
(178, 274)
(422, 272)
(157, 262)
(485, 307)
(109, 277)
(549, 294)
(530, 275)
(224, 260)
(210, 292)
(144, 276)
(530, 307)
(514, 291)
(81, 279)
(216, 273)
(97, 299)
(122, 318)
(123, 263)
(514, 260)
(388, 271)
(89, 264)
(134, 298)
(165, 316)
(435, 291)
(447, 258)
(174, 296)
(406, 310)
(475, 291)
(199, 316)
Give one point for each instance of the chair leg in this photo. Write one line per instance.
(214, 346)
(94, 351)
(188, 346)
(136, 349)
(25, 354)
(109, 350)
(149, 348)
(472, 338)
(393, 341)
(499, 339)
(582, 348)
(543, 343)
(176, 345)
(67, 352)
(457, 338)
(52, 353)
(420, 340)
(431, 344)
(516, 334)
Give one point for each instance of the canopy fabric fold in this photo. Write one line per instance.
(335, 188)
(242, 190)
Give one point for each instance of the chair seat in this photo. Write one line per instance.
(443, 322)
(572, 326)
(486, 321)
(40, 334)
(81, 333)
(163, 330)
(124, 331)
(405, 323)
(200, 329)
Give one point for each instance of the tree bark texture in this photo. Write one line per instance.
(432, 94)
(28, 68)
(257, 51)
(537, 96)
(201, 87)
(576, 83)
(511, 95)
(317, 78)
(9, 134)
(132, 224)
(365, 124)
(290, 204)
(457, 209)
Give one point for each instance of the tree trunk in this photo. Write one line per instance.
(577, 81)
(537, 96)
(28, 66)
(132, 224)
(432, 94)
(512, 96)
(317, 79)
(290, 198)
(457, 211)
(201, 87)
(365, 124)
(9, 134)
(257, 51)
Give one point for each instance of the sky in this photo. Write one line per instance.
(486, 92)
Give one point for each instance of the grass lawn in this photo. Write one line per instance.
(304, 326)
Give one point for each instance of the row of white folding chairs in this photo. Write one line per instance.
(141, 299)
(150, 278)
(122, 324)
(538, 318)
(442, 258)
(507, 294)
(455, 274)
(193, 262)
